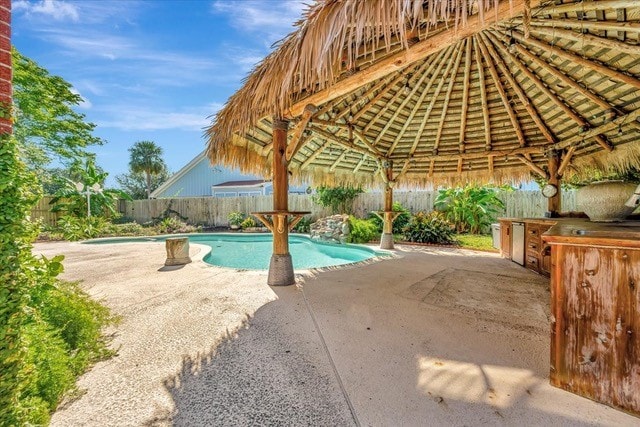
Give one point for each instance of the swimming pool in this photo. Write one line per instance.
(253, 251)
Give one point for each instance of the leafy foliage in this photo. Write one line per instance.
(172, 225)
(235, 218)
(338, 199)
(47, 128)
(249, 222)
(78, 228)
(400, 222)
(303, 226)
(432, 227)
(71, 201)
(471, 208)
(362, 230)
(135, 183)
(146, 158)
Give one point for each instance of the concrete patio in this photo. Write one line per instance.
(431, 337)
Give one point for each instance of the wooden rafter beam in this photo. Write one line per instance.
(412, 90)
(501, 91)
(521, 50)
(434, 98)
(415, 53)
(338, 140)
(345, 127)
(599, 130)
(533, 166)
(447, 96)
(579, 120)
(378, 87)
(584, 6)
(483, 95)
(314, 155)
(465, 94)
(297, 139)
(578, 60)
(338, 160)
(423, 93)
(378, 97)
(472, 155)
(566, 160)
(586, 39)
(524, 99)
(578, 24)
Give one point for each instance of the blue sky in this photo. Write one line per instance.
(151, 70)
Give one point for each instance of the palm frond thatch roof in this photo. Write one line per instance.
(444, 91)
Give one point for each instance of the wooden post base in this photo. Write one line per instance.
(281, 271)
(386, 241)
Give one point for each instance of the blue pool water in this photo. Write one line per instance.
(253, 251)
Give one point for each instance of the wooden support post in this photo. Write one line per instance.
(386, 240)
(281, 266)
(554, 204)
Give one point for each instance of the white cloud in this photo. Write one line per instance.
(57, 9)
(274, 18)
(85, 103)
(146, 119)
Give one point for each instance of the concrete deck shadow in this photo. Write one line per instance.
(269, 372)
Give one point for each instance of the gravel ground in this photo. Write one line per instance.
(431, 337)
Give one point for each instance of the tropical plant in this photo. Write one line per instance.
(362, 230)
(399, 223)
(78, 228)
(47, 127)
(146, 157)
(471, 208)
(135, 183)
(248, 222)
(338, 199)
(73, 201)
(235, 218)
(432, 227)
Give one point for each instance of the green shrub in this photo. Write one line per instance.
(303, 226)
(172, 225)
(339, 199)
(401, 221)
(471, 208)
(362, 230)
(73, 228)
(235, 218)
(128, 229)
(430, 227)
(249, 222)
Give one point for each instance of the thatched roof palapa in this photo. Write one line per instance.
(445, 91)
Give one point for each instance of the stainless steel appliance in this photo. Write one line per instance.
(517, 243)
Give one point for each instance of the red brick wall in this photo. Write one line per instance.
(5, 64)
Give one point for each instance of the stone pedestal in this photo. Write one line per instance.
(177, 251)
(281, 270)
(386, 241)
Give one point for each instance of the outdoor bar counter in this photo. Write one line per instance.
(595, 310)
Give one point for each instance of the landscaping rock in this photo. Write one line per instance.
(332, 229)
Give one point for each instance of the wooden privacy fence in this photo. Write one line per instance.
(213, 211)
(42, 212)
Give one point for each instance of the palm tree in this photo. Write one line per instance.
(146, 156)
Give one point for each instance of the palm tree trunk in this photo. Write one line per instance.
(148, 176)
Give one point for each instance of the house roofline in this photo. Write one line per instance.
(176, 176)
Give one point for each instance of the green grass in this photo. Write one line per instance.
(476, 241)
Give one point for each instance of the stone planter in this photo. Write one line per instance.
(604, 201)
(234, 226)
